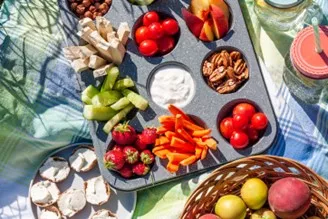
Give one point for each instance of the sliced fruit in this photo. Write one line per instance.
(200, 8)
(117, 118)
(221, 24)
(120, 104)
(194, 23)
(137, 100)
(99, 113)
(207, 33)
(110, 79)
(106, 98)
(123, 83)
(88, 93)
(223, 6)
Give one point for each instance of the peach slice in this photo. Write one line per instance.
(224, 7)
(221, 24)
(200, 8)
(194, 23)
(207, 33)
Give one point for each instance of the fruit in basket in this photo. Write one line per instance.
(147, 157)
(209, 16)
(289, 197)
(157, 35)
(313, 217)
(131, 154)
(124, 134)
(230, 207)
(263, 214)
(209, 216)
(114, 160)
(140, 169)
(254, 192)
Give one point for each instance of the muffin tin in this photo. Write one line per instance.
(207, 106)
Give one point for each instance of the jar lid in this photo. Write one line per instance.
(283, 3)
(304, 57)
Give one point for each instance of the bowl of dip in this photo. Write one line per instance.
(171, 83)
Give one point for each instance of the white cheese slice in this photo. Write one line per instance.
(80, 65)
(96, 62)
(102, 71)
(104, 26)
(50, 213)
(85, 34)
(87, 51)
(103, 214)
(71, 52)
(87, 22)
(71, 202)
(101, 45)
(55, 169)
(111, 36)
(82, 159)
(123, 32)
(117, 51)
(97, 191)
(44, 193)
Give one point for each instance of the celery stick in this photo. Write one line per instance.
(123, 83)
(137, 100)
(120, 104)
(88, 93)
(112, 74)
(99, 113)
(106, 98)
(117, 118)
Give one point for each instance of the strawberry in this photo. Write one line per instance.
(126, 171)
(131, 154)
(140, 145)
(148, 135)
(147, 157)
(124, 134)
(118, 148)
(140, 169)
(114, 160)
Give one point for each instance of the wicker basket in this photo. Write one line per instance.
(229, 178)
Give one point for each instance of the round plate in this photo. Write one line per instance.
(120, 203)
(284, 3)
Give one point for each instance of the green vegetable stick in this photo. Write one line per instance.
(137, 100)
(99, 113)
(112, 74)
(106, 98)
(117, 118)
(88, 93)
(123, 83)
(120, 104)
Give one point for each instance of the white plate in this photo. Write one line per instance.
(120, 203)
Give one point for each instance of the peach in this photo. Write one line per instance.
(209, 216)
(194, 23)
(221, 24)
(289, 198)
(201, 8)
(207, 34)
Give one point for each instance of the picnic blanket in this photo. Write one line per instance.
(40, 107)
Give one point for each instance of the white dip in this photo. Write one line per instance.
(172, 85)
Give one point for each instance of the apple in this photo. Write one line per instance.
(194, 23)
(201, 8)
(207, 34)
(221, 24)
(263, 213)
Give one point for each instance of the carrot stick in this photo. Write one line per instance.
(198, 151)
(166, 119)
(175, 110)
(201, 133)
(178, 122)
(201, 144)
(205, 137)
(163, 140)
(157, 142)
(186, 136)
(190, 160)
(170, 134)
(161, 147)
(161, 130)
(179, 143)
(211, 143)
(177, 157)
(162, 153)
(191, 126)
(172, 168)
(204, 153)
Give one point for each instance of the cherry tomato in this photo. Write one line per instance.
(148, 47)
(239, 140)
(165, 44)
(156, 31)
(142, 34)
(149, 18)
(259, 121)
(240, 121)
(170, 26)
(252, 133)
(226, 127)
(244, 108)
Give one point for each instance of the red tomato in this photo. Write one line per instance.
(239, 140)
(149, 18)
(148, 47)
(170, 26)
(142, 34)
(240, 121)
(259, 121)
(244, 108)
(156, 31)
(226, 127)
(165, 44)
(252, 133)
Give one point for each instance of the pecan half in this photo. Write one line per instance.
(217, 75)
(228, 86)
(207, 68)
(235, 55)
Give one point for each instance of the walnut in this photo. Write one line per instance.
(80, 9)
(92, 9)
(103, 6)
(86, 3)
(88, 14)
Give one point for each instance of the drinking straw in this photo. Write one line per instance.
(315, 25)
